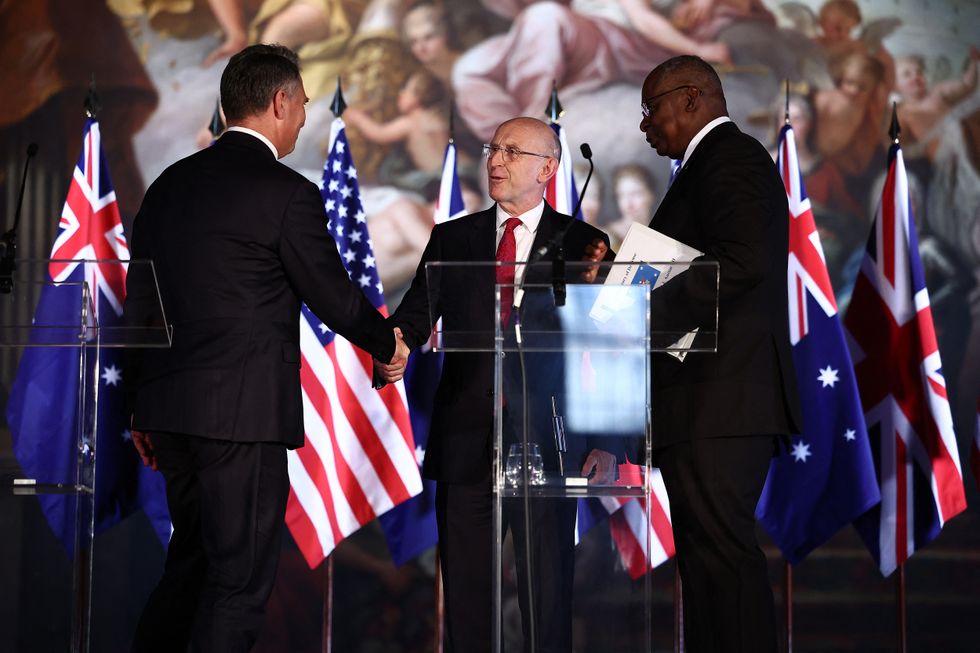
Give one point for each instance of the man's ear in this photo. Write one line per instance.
(548, 170)
(279, 104)
(693, 98)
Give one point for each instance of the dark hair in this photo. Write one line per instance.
(689, 69)
(254, 75)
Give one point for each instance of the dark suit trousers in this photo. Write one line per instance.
(464, 514)
(714, 485)
(227, 502)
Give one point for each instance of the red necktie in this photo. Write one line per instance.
(507, 251)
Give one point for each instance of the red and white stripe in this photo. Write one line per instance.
(644, 540)
(559, 192)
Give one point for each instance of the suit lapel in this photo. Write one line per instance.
(549, 225)
(482, 247)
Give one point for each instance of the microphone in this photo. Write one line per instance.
(8, 242)
(542, 251)
(558, 265)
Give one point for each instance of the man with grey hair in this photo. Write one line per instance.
(238, 241)
(717, 416)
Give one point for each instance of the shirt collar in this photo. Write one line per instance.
(530, 218)
(700, 136)
(261, 137)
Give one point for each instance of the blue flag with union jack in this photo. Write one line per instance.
(903, 391)
(827, 479)
(43, 410)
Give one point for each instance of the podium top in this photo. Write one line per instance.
(76, 303)
(657, 306)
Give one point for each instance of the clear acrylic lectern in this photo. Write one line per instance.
(56, 325)
(572, 385)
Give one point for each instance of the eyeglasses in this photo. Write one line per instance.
(647, 108)
(510, 154)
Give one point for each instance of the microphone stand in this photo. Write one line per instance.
(8, 242)
(558, 287)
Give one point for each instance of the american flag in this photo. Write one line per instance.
(643, 543)
(43, 410)
(903, 391)
(359, 459)
(560, 192)
(410, 528)
(827, 479)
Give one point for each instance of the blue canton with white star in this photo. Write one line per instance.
(347, 224)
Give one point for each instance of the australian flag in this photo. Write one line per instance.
(410, 528)
(43, 410)
(827, 479)
(903, 390)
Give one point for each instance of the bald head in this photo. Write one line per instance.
(524, 158)
(680, 96)
(545, 138)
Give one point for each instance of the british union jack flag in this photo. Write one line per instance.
(903, 392)
(43, 409)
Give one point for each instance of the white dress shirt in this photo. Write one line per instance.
(700, 136)
(523, 234)
(261, 137)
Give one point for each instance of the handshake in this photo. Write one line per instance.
(394, 370)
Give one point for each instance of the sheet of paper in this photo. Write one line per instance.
(655, 259)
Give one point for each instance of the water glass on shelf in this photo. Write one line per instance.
(513, 470)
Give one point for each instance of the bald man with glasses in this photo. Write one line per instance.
(521, 158)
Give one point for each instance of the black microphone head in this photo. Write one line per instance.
(586, 150)
(32, 149)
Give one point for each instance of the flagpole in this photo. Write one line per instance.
(326, 634)
(894, 132)
(439, 640)
(788, 603)
(901, 605)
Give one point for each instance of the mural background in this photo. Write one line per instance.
(405, 66)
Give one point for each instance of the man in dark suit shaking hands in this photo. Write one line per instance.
(521, 158)
(716, 417)
(238, 241)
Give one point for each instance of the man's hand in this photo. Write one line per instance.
(144, 447)
(394, 370)
(594, 252)
(604, 464)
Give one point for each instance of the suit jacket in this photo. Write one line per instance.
(462, 422)
(238, 240)
(728, 202)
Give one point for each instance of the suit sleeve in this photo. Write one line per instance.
(141, 305)
(314, 269)
(414, 315)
